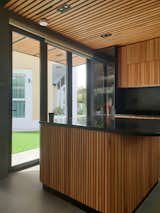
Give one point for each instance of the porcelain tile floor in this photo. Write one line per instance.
(22, 192)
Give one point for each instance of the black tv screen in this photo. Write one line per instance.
(142, 101)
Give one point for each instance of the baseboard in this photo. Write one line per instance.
(145, 197)
(70, 200)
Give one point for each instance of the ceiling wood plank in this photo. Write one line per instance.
(123, 22)
(16, 4)
(128, 21)
(75, 5)
(24, 5)
(110, 16)
(53, 10)
(38, 7)
(91, 11)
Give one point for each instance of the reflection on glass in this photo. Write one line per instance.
(110, 88)
(79, 109)
(98, 95)
(57, 89)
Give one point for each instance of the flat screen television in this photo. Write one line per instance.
(138, 101)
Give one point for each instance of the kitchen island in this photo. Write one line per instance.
(109, 164)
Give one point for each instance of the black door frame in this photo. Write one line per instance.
(5, 89)
(43, 92)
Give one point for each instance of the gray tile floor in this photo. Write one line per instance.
(22, 192)
(152, 202)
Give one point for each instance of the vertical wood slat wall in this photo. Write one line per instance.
(108, 172)
(139, 64)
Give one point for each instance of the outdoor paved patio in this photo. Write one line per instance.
(23, 157)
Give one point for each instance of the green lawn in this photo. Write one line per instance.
(23, 141)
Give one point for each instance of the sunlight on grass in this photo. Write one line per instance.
(24, 141)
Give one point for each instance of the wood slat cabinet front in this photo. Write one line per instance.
(106, 171)
(139, 64)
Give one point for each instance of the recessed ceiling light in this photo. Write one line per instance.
(43, 22)
(105, 35)
(63, 8)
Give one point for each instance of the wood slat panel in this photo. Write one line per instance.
(78, 60)
(16, 37)
(14, 2)
(128, 21)
(27, 46)
(108, 172)
(57, 55)
(109, 13)
(40, 7)
(30, 46)
(139, 64)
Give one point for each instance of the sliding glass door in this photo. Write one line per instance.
(25, 98)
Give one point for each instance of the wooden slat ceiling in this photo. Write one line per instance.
(128, 21)
(26, 45)
(30, 46)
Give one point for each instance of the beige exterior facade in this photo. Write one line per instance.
(26, 62)
(52, 90)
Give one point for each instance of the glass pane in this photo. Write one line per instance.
(79, 92)
(25, 98)
(110, 90)
(57, 88)
(98, 95)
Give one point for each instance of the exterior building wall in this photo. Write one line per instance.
(23, 61)
(52, 90)
(30, 63)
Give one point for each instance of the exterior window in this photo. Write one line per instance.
(18, 109)
(79, 108)
(57, 89)
(18, 95)
(18, 86)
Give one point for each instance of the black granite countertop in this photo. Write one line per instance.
(129, 126)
